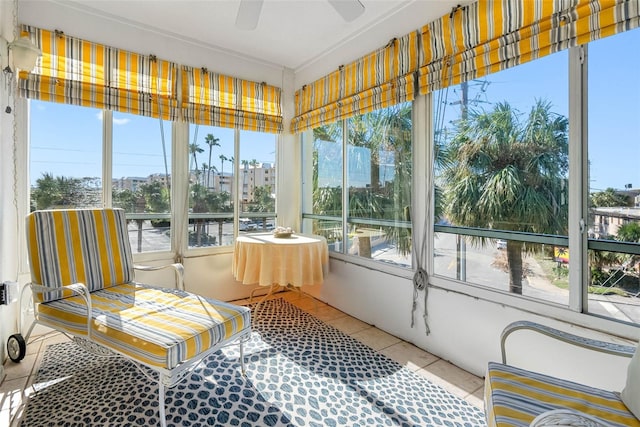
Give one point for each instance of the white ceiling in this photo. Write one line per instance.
(291, 33)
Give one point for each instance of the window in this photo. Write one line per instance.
(258, 198)
(212, 162)
(322, 186)
(369, 216)
(614, 178)
(501, 180)
(210, 199)
(141, 179)
(65, 169)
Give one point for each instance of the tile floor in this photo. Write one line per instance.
(16, 385)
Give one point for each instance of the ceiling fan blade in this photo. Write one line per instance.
(348, 9)
(248, 14)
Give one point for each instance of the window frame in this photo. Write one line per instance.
(577, 311)
(179, 191)
(345, 219)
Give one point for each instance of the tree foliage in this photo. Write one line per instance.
(507, 173)
(381, 137)
(609, 198)
(56, 192)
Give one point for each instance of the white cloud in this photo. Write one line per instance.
(118, 122)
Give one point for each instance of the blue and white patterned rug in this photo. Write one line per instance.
(300, 372)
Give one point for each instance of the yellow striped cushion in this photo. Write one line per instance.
(514, 397)
(89, 246)
(157, 326)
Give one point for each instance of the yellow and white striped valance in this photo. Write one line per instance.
(475, 40)
(489, 36)
(384, 77)
(217, 100)
(78, 72)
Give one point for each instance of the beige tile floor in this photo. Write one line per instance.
(17, 383)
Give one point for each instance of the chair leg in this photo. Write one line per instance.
(242, 368)
(163, 419)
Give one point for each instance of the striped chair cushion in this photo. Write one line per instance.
(89, 246)
(157, 326)
(514, 397)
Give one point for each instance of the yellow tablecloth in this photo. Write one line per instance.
(267, 260)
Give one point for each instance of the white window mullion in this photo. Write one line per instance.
(422, 198)
(345, 188)
(179, 187)
(237, 196)
(107, 157)
(578, 179)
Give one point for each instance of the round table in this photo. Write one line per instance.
(262, 258)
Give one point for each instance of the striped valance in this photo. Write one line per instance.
(216, 100)
(380, 79)
(78, 72)
(475, 40)
(489, 36)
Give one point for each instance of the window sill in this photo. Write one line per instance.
(547, 309)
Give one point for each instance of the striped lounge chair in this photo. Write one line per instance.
(82, 283)
(517, 397)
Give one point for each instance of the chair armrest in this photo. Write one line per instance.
(177, 267)
(76, 289)
(588, 343)
(567, 417)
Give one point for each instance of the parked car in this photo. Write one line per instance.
(501, 244)
(245, 224)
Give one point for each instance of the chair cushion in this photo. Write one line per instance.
(89, 246)
(157, 326)
(631, 392)
(514, 397)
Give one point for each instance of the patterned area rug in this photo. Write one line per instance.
(300, 372)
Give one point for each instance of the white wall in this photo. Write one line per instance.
(78, 23)
(465, 329)
(8, 234)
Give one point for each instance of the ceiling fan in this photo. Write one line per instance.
(249, 11)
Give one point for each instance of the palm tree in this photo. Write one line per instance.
(194, 149)
(65, 192)
(508, 175)
(382, 133)
(222, 160)
(253, 163)
(609, 198)
(245, 166)
(205, 168)
(211, 141)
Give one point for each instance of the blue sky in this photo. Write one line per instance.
(137, 146)
(614, 121)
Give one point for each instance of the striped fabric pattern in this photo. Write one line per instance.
(514, 397)
(488, 36)
(89, 246)
(78, 72)
(157, 326)
(483, 37)
(380, 79)
(214, 99)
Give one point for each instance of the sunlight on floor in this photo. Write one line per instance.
(17, 385)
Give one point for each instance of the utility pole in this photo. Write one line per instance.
(461, 242)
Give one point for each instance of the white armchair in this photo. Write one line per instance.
(517, 397)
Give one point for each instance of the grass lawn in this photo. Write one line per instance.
(559, 276)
